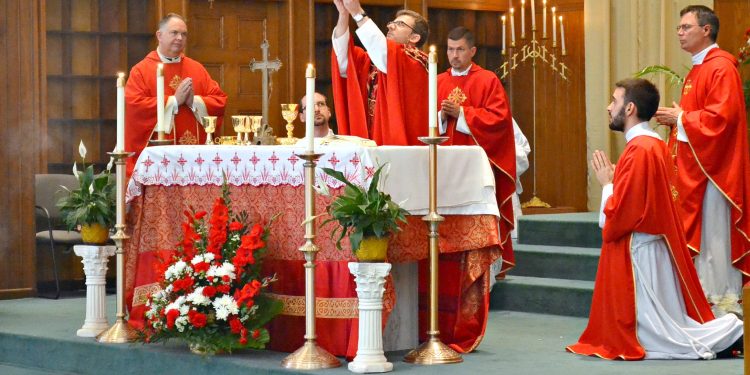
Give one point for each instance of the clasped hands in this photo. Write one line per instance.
(668, 115)
(449, 108)
(184, 92)
(603, 168)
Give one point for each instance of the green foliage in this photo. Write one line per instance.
(672, 77)
(363, 213)
(93, 202)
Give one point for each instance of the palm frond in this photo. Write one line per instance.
(672, 77)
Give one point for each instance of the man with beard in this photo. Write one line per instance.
(322, 115)
(709, 145)
(189, 91)
(648, 302)
(380, 94)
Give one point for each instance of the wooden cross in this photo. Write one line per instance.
(266, 67)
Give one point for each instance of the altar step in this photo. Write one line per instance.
(556, 261)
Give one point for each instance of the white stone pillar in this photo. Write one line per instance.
(94, 259)
(370, 279)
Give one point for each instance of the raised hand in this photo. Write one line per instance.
(353, 6)
(668, 115)
(603, 168)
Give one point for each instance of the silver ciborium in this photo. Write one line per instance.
(209, 124)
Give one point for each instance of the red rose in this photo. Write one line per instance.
(235, 325)
(197, 319)
(172, 315)
(235, 226)
(256, 334)
(209, 291)
(225, 278)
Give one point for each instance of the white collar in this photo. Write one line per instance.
(700, 56)
(168, 60)
(641, 129)
(456, 73)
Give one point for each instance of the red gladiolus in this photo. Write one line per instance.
(257, 230)
(197, 319)
(235, 325)
(209, 291)
(217, 233)
(256, 334)
(172, 315)
(235, 226)
(247, 293)
(200, 215)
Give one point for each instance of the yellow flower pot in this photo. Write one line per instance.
(372, 250)
(94, 233)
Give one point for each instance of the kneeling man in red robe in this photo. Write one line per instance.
(648, 302)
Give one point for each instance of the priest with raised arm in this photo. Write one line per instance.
(189, 93)
(648, 302)
(475, 111)
(712, 170)
(381, 93)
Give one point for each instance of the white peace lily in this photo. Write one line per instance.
(110, 164)
(82, 150)
(91, 188)
(75, 169)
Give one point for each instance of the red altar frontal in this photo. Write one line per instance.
(268, 180)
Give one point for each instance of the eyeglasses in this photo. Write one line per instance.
(399, 23)
(685, 28)
(318, 105)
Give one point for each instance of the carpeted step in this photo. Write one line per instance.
(543, 295)
(560, 262)
(576, 229)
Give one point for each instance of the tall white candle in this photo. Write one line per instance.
(544, 18)
(160, 97)
(120, 112)
(503, 18)
(310, 108)
(562, 36)
(432, 90)
(554, 28)
(523, 19)
(533, 16)
(512, 28)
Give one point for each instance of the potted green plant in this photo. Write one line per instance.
(92, 205)
(367, 216)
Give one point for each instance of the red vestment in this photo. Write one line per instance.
(140, 101)
(641, 202)
(398, 114)
(715, 122)
(487, 113)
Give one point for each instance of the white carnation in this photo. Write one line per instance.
(197, 297)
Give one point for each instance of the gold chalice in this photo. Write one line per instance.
(238, 124)
(289, 113)
(209, 124)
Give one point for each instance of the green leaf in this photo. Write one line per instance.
(672, 76)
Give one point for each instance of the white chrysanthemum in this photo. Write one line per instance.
(197, 297)
(225, 306)
(209, 257)
(168, 289)
(181, 322)
(226, 269)
(201, 258)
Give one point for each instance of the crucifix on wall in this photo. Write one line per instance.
(266, 67)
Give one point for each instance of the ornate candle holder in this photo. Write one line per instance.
(289, 113)
(120, 332)
(433, 351)
(209, 124)
(310, 356)
(161, 139)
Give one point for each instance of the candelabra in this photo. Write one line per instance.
(535, 50)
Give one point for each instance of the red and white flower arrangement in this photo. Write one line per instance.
(211, 293)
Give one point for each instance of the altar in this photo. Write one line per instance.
(268, 180)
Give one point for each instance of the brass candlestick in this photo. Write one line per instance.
(289, 113)
(433, 351)
(209, 124)
(121, 332)
(310, 356)
(161, 139)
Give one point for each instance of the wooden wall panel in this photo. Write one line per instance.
(22, 114)
(733, 22)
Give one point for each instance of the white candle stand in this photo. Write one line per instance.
(94, 259)
(370, 279)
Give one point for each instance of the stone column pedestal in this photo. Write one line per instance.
(370, 279)
(94, 259)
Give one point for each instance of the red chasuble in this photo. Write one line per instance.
(140, 101)
(641, 202)
(487, 112)
(390, 109)
(717, 149)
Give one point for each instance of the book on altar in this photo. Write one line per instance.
(334, 139)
